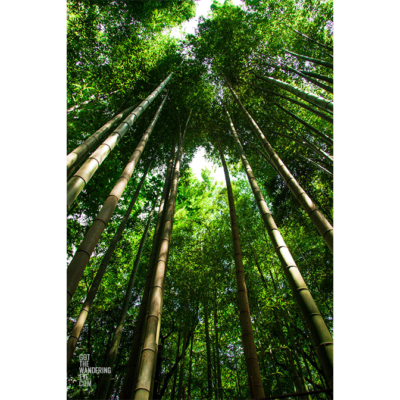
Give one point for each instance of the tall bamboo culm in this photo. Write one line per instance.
(104, 383)
(76, 156)
(326, 105)
(92, 236)
(80, 179)
(319, 331)
(147, 359)
(250, 352)
(77, 329)
(127, 385)
(318, 219)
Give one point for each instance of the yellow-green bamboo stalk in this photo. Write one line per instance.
(314, 60)
(79, 324)
(76, 156)
(249, 347)
(319, 331)
(92, 236)
(144, 382)
(127, 385)
(104, 383)
(80, 179)
(326, 105)
(318, 219)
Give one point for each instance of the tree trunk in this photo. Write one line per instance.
(77, 329)
(321, 135)
(208, 348)
(318, 76)
(176, 369)
(253, 369)
(112, 353)
(143, 386)
(76, 156)
(218, 361)
(182, 367)
(190, 368)
(326, 118)
(317, 165)
(314, 60)
(311, 40)
(318, 219)
(326, 105)
(300, 73)
(81, 178)
(319, 331)
(92, 236)
(127, 385)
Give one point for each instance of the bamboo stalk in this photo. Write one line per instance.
(92, 236)
(318, 219)
(81, 178)
(314, 60)
(319, 331)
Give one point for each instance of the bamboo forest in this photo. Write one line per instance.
(185, 285)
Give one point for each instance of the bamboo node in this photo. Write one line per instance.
(304, 288)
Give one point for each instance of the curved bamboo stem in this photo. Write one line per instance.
(314, 60)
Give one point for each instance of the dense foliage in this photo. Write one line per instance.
(119, 52)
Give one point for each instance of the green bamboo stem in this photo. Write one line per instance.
(77, 329)
(76, 156)
(314, 60)
(127, 384)
(326, 105)
(250, 352)
(144, 381)
(318, 219)
(103, 386)
(92, 236)
(308, 78)
(307, 144)
(318, 76)
(319, 331)
(321, 135)
(325, 117)
(316, 164)
(81, 178)
(311, 40)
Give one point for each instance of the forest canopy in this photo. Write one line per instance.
(187, 288)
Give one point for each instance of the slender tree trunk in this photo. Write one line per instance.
(76, 156)
(92, 236)
(96, 98)
(190, 368)
(326, 105)
(314, 60)
(208, 348)
(77, 329)
(218, 380)
(321, 135)
(253, 369)
(318, 76)
(319, 331)
(316, 164)
(318, 219)
(81, 178)
(143, 386)
(127, 385)
(112, 353)
(311, 40)
(182, 367)
(300, 73)
(308, 145)
(325, 117)
(176, 369)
